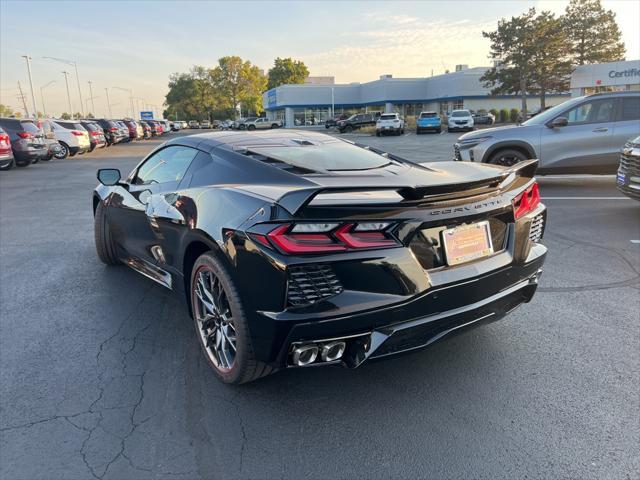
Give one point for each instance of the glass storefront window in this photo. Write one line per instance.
(307, 117)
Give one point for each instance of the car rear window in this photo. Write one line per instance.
(71, 125)
(29, 126)
(329, 156)
(428, 115)
(388, 117)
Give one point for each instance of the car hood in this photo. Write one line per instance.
(500, 132)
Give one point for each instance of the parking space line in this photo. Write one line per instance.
(575, 176)
(635, 241)
(585, 198)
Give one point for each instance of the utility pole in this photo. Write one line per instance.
(44, 108)
(24, 103)
(108, 103)
(75, 66)
(33, 96)
(66, 81)
(93, 105)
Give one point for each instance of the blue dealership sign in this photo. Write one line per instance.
(271, 97)
(146, 115)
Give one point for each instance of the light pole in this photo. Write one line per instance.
(93, 105)
(33, 95)
(86, 104)
(133, 113)
(75, 66)
(106, 90)
(44, 109)
(333, 104)
(66, 81)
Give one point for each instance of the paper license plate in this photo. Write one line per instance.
(467, 242)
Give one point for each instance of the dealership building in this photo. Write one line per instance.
(313, 103)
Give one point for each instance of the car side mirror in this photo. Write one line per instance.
(559, 122)
(109, 176)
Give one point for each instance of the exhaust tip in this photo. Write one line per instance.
(304, 354)
(332, 351)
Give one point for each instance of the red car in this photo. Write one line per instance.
(6, 153)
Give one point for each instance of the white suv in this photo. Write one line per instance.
(72, 136)
(460, 120)
(389, 122)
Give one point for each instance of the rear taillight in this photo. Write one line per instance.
(25, 135)
(4, 137)
(527, 201)
(95, 134)
(113, 129)
(309, 238)
(77, 133)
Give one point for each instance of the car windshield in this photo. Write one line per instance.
(428, 115)
(388, 117)
(460, 113)
(330, 156)
(552, 113)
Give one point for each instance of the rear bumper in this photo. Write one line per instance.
(406, 325)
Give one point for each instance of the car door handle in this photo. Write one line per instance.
(603, 129)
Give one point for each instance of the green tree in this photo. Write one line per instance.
(512, 46)
(287, 71)
(594, 36)
(5, 111)
(77, 115)
(65, 116)
(239, 83)
(551, 64)
(90, 115)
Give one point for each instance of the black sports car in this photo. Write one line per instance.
(299, 249)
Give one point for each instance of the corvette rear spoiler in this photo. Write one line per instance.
(295, 200)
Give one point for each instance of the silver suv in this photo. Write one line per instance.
(581, 135)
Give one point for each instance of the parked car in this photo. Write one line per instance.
(581, 135)
(27, 140)
(53, 146)
(194, 124)
(460, 120)
(135, 131)
(184, 124)
(146, 129)
(628, 178)
(6, 153)
(112, 133)
(292, 278)
(355, 122)
(96, 134)
(332, 122)
(156, 127)
(226, 125)
(261, 123)
(483, 117)
(389, 123)
(205, 124)
(176, 126)
(73, 137)
(166, 126)
(242, 124)
(428, 121)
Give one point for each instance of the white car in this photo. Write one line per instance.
(460, 120)
(389, 123)
(72, 136)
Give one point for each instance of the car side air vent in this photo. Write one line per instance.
(309, 284)
(537, 228)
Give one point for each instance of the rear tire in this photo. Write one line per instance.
(507, 157)
(223, 323)
(9, 165)
(64, 151)
(251, 127)
(348, 129)
(102, 236)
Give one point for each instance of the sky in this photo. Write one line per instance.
(136, 45)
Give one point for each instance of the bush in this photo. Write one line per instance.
(504, 115)
(513, 115)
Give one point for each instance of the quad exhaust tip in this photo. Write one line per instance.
(308, 353)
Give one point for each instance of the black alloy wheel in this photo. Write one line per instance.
(221, 325)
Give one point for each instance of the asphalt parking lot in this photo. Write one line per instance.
(101, 375)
